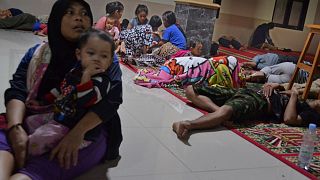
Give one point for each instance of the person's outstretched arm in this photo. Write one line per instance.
(290, 115)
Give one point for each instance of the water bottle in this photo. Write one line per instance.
(307, 147)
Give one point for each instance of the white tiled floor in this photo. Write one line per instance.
(150, 150)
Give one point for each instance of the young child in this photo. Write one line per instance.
(141, 16)
(173, 32)
(83, 87)
(113, 9)
(110, 27)
(155, 22)
(138, 39)
(124, 24)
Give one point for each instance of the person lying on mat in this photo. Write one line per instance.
(226, 104)
(279, 73)
(230, 42)
(269, 59)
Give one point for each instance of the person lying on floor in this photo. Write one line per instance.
(269, 59)
(222, 70)
(237, 105)
(194, 49)
(230, 42)
(16, 19)
(279, 73)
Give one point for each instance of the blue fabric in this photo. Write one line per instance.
(173, 35)
(165, 69)
(115, 58)
(36, 26)
(264, 60)
(15, 12)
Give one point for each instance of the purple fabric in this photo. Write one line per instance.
(41, 168)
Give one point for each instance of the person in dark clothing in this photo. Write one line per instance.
(230, 42)
(6, 13)
(226, 104)
(68, 20)
(261, 38)
(16, 19)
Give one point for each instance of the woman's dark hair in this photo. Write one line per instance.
(114, 6)
(63, 55)
(270, 25)
(170, 18)
(96, 33)
(155, 21)
(193, 42)
(124, 24)
(141, 8)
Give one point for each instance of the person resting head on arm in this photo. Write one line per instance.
(226, 104)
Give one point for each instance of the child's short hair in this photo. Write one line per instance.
(193, 42)
(214, 49)
(141, 8)
(124, 24)
(155, 21)
(114, 6)
(98, 33)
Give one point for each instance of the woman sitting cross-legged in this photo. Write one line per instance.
(43, 68)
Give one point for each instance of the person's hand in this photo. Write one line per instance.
(67, 150)
(19, 139)
(92, 69)
(292, 92)
(268, 88)
(33, 103)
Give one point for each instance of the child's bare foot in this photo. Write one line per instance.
(181, 128)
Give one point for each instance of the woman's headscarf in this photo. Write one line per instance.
(63, 51)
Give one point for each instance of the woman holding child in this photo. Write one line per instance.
(50, 62)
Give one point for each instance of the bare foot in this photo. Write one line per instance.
(181, 128)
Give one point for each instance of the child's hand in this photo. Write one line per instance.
(91, 70)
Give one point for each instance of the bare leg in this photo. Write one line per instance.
(19, 176)
(6, 164)
(207, 121)
(200, 101)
